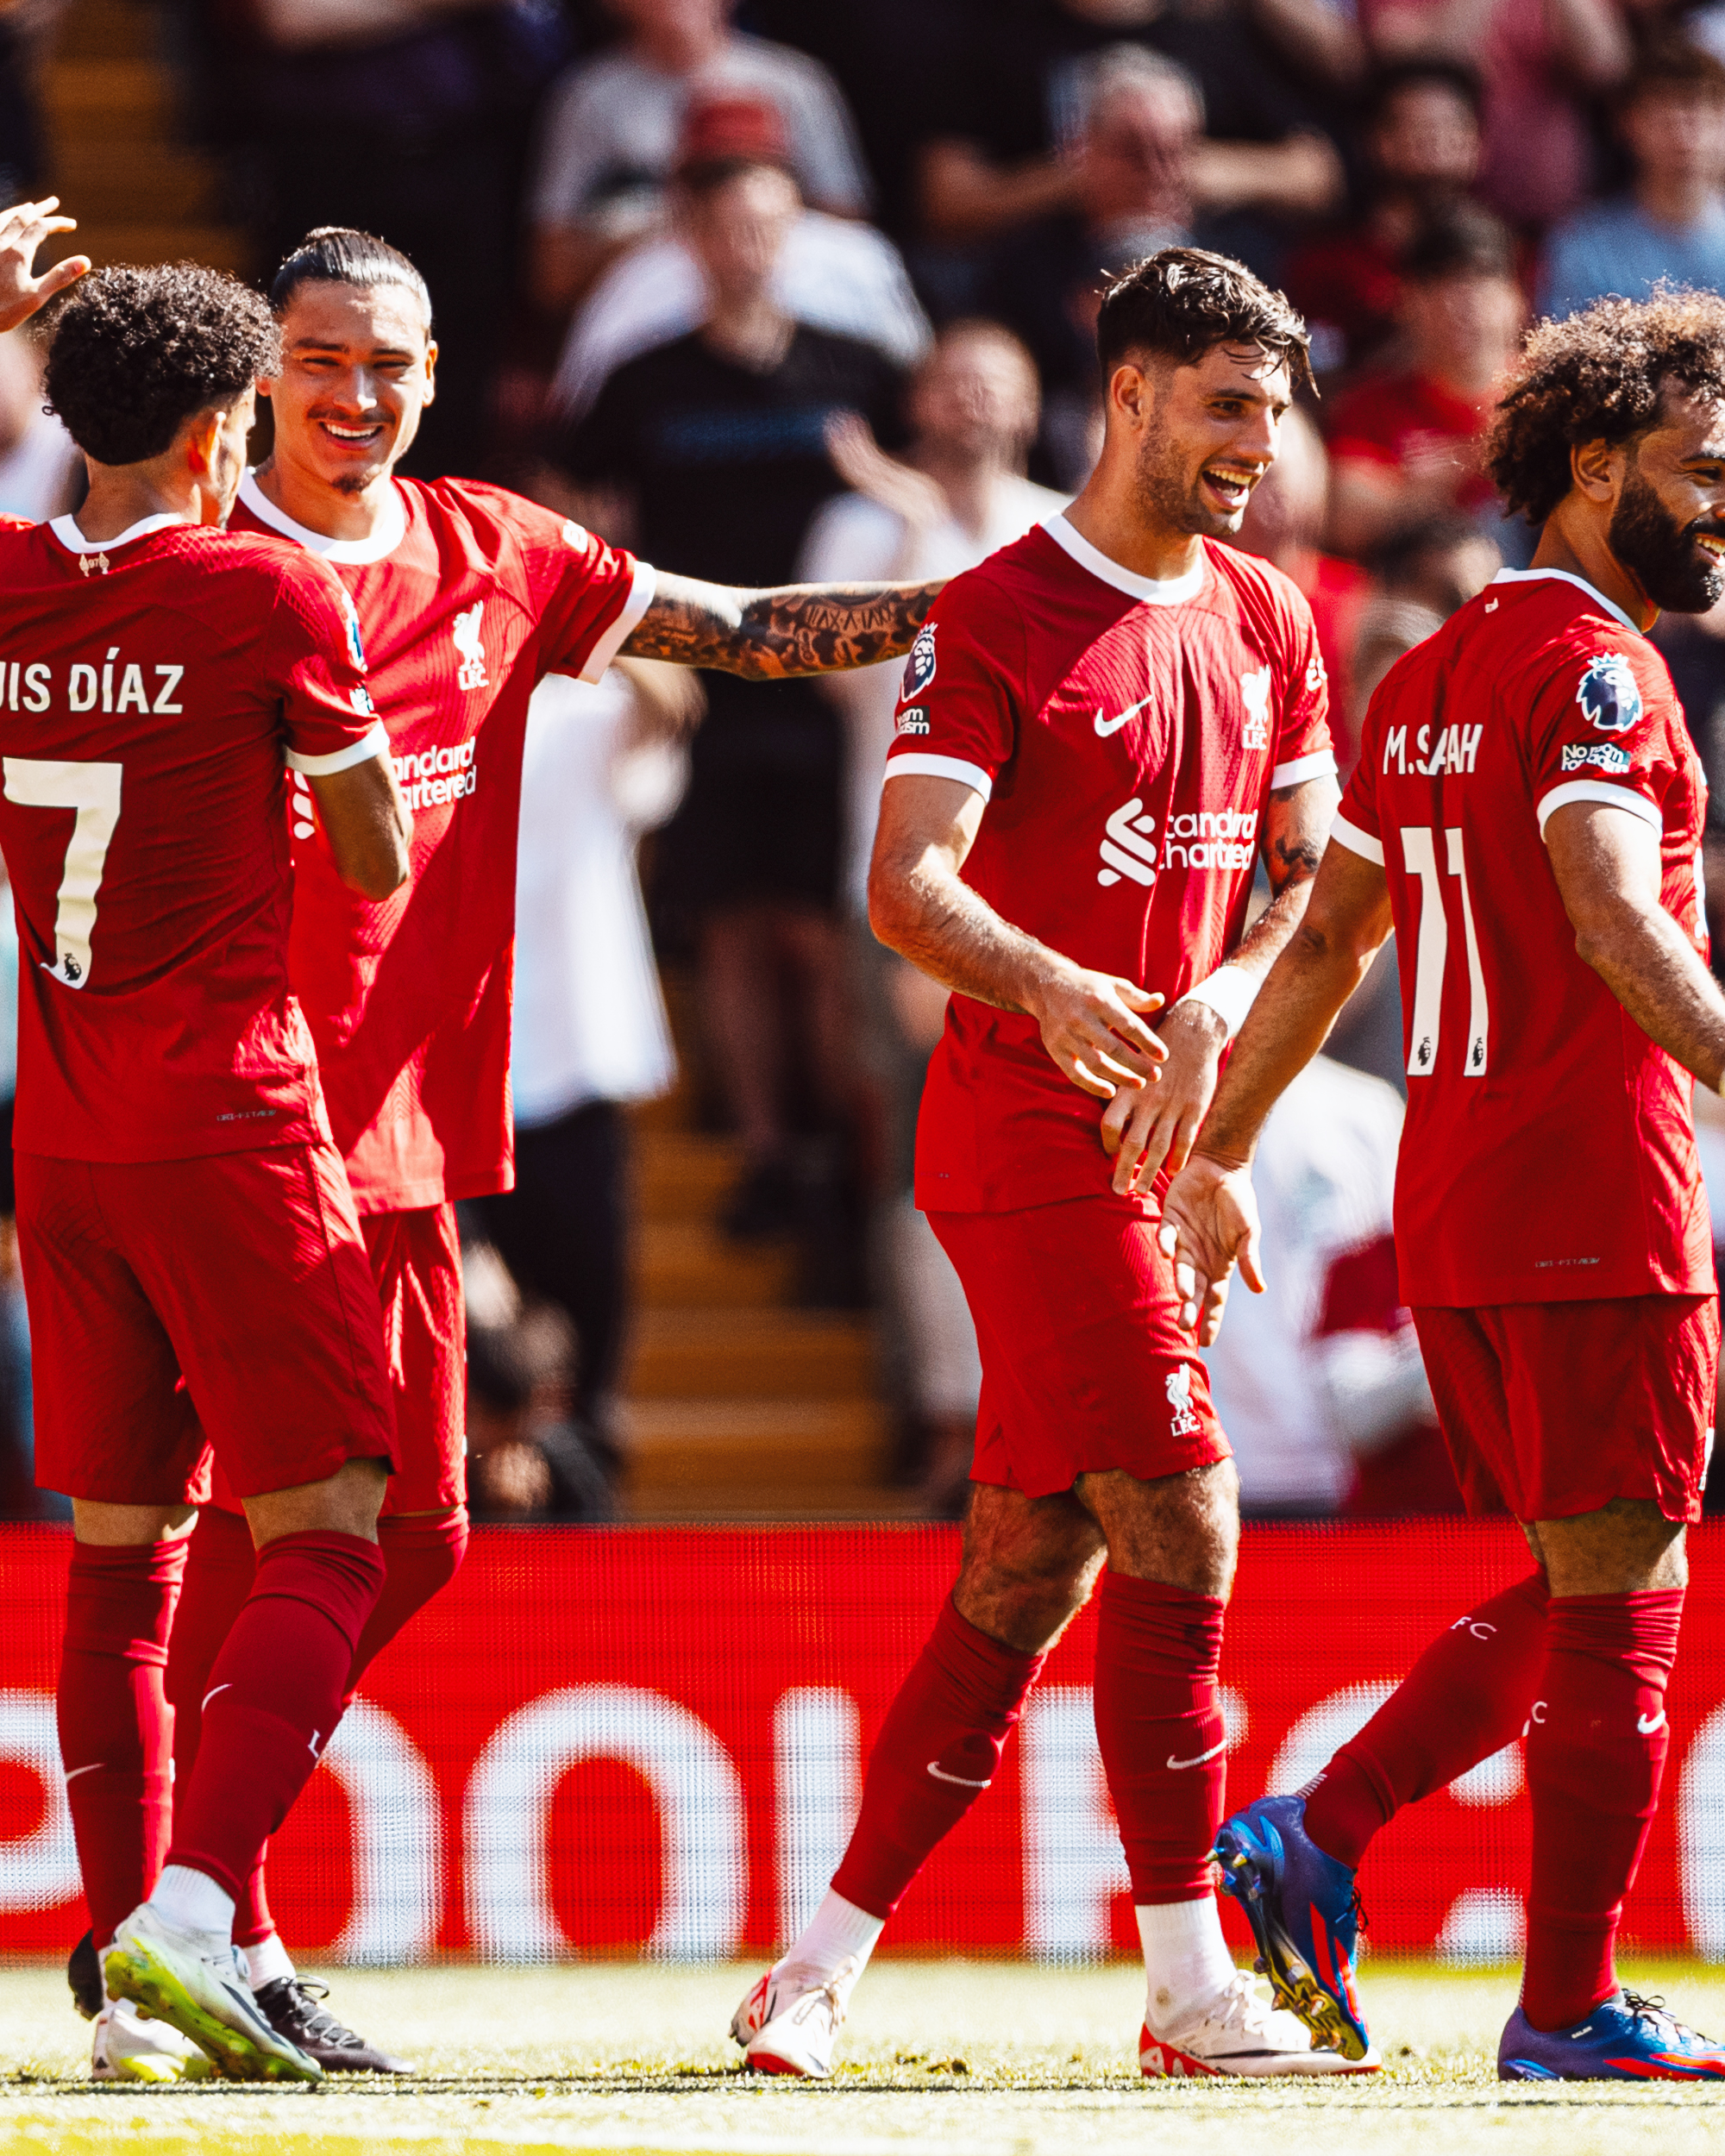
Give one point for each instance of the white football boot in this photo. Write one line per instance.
(130, 2046)
(1241, 2031)
(788, 2024)
(197, 1983)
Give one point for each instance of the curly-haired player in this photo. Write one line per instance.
(1527, 817)
(176, 1175)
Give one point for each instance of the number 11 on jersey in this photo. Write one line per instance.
(1419, 850)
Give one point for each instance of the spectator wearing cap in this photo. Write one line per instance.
(714, 448)
(610, 136)
(1404, 444)
(834, 274)
(1420, 140)
(1671, 221)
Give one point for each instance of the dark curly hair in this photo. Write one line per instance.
(1601, 376)
(1184, 301)
(135, 352)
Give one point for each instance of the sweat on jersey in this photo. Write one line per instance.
(1549, 1150)
(465, 599)
(150, 688)
(1126, 736)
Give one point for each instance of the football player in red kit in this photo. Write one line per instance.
(175, 1170)
(1527, 817)
(466, 595)
(1102, 731)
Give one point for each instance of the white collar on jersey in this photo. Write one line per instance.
(1173, 591)
(73, 539)
(381, 544)
(1564, 576)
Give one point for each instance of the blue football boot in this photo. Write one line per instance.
(1624, 2038)
(1304, 1915)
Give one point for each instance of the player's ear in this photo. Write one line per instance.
(1595, 470)
(203, 437)
(430, 396)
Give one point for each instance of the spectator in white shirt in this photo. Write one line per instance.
(1318, 1381)
(959, 494)
(610, 136)
(604, 763)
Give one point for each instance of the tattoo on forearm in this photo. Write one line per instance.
(773, 636)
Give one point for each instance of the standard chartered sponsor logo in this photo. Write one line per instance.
(438, 776)
(1201, 838)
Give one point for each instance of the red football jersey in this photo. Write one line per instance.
(1126, 736)
(467, 598)
(149, 687)
(1549, 1152)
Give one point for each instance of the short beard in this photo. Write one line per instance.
(1677, 573)
(354, 482)
(1165, 499)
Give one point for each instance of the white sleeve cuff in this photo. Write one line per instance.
(1356, 841)
(916, 765)
(1229, 992)
(640, 599)
(1594, 790)
(1319, 764)
(376, 744)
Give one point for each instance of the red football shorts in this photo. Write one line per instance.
(416, 1262)
(1564, 1405)
(169, 1300)
(1084, 1365)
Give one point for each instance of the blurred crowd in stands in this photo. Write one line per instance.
(805, 289)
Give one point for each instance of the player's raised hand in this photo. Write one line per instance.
(1085, 1018)
(23, 230)
(1145, 1127)
(1209, 1223)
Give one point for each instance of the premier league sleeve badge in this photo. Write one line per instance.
(1609, 695)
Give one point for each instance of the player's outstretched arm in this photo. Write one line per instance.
(1606, 860)
(919, 906)
(1143, 1127)
(23, 230)
(367, 825)
(771, 635)
(1210, 1218)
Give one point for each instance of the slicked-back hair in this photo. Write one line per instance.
(135, 352)
(1184, 301)
(337, 254)
(1601, 376)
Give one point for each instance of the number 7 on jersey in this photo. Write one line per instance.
(93, 790)
(1419, 850)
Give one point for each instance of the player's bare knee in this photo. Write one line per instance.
(1029, 1566)
(1181, 1530)
(1626, 1547)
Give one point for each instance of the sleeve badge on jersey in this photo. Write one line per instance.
(356, 650)
(573, 535)
(915, 721)
(1315, 674)
(1595, 755)
(919, 667)
(1609, 695)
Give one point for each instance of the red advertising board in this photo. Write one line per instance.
(652, 1739)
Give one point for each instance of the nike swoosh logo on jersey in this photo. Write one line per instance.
(1106, 726)
(1647, 1724)
(964, 1781)
(1176, 1765)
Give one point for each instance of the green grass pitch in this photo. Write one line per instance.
(966, 2058)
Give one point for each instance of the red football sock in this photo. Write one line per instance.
(1466, 1697)
(115, 1724)
(275, 1695)
(937, 1753)
(1596, 1746)
(1159, 1728)
(422, 1552)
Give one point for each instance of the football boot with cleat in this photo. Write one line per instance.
(1240, 2032)
(197, 1983)
(1624, 2038)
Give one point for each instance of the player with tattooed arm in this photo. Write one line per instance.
(1100, 732)
(466, 595)
(1527, 817)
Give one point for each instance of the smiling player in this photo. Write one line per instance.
(1527, 816)
(466, 594)
(1100, 733)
